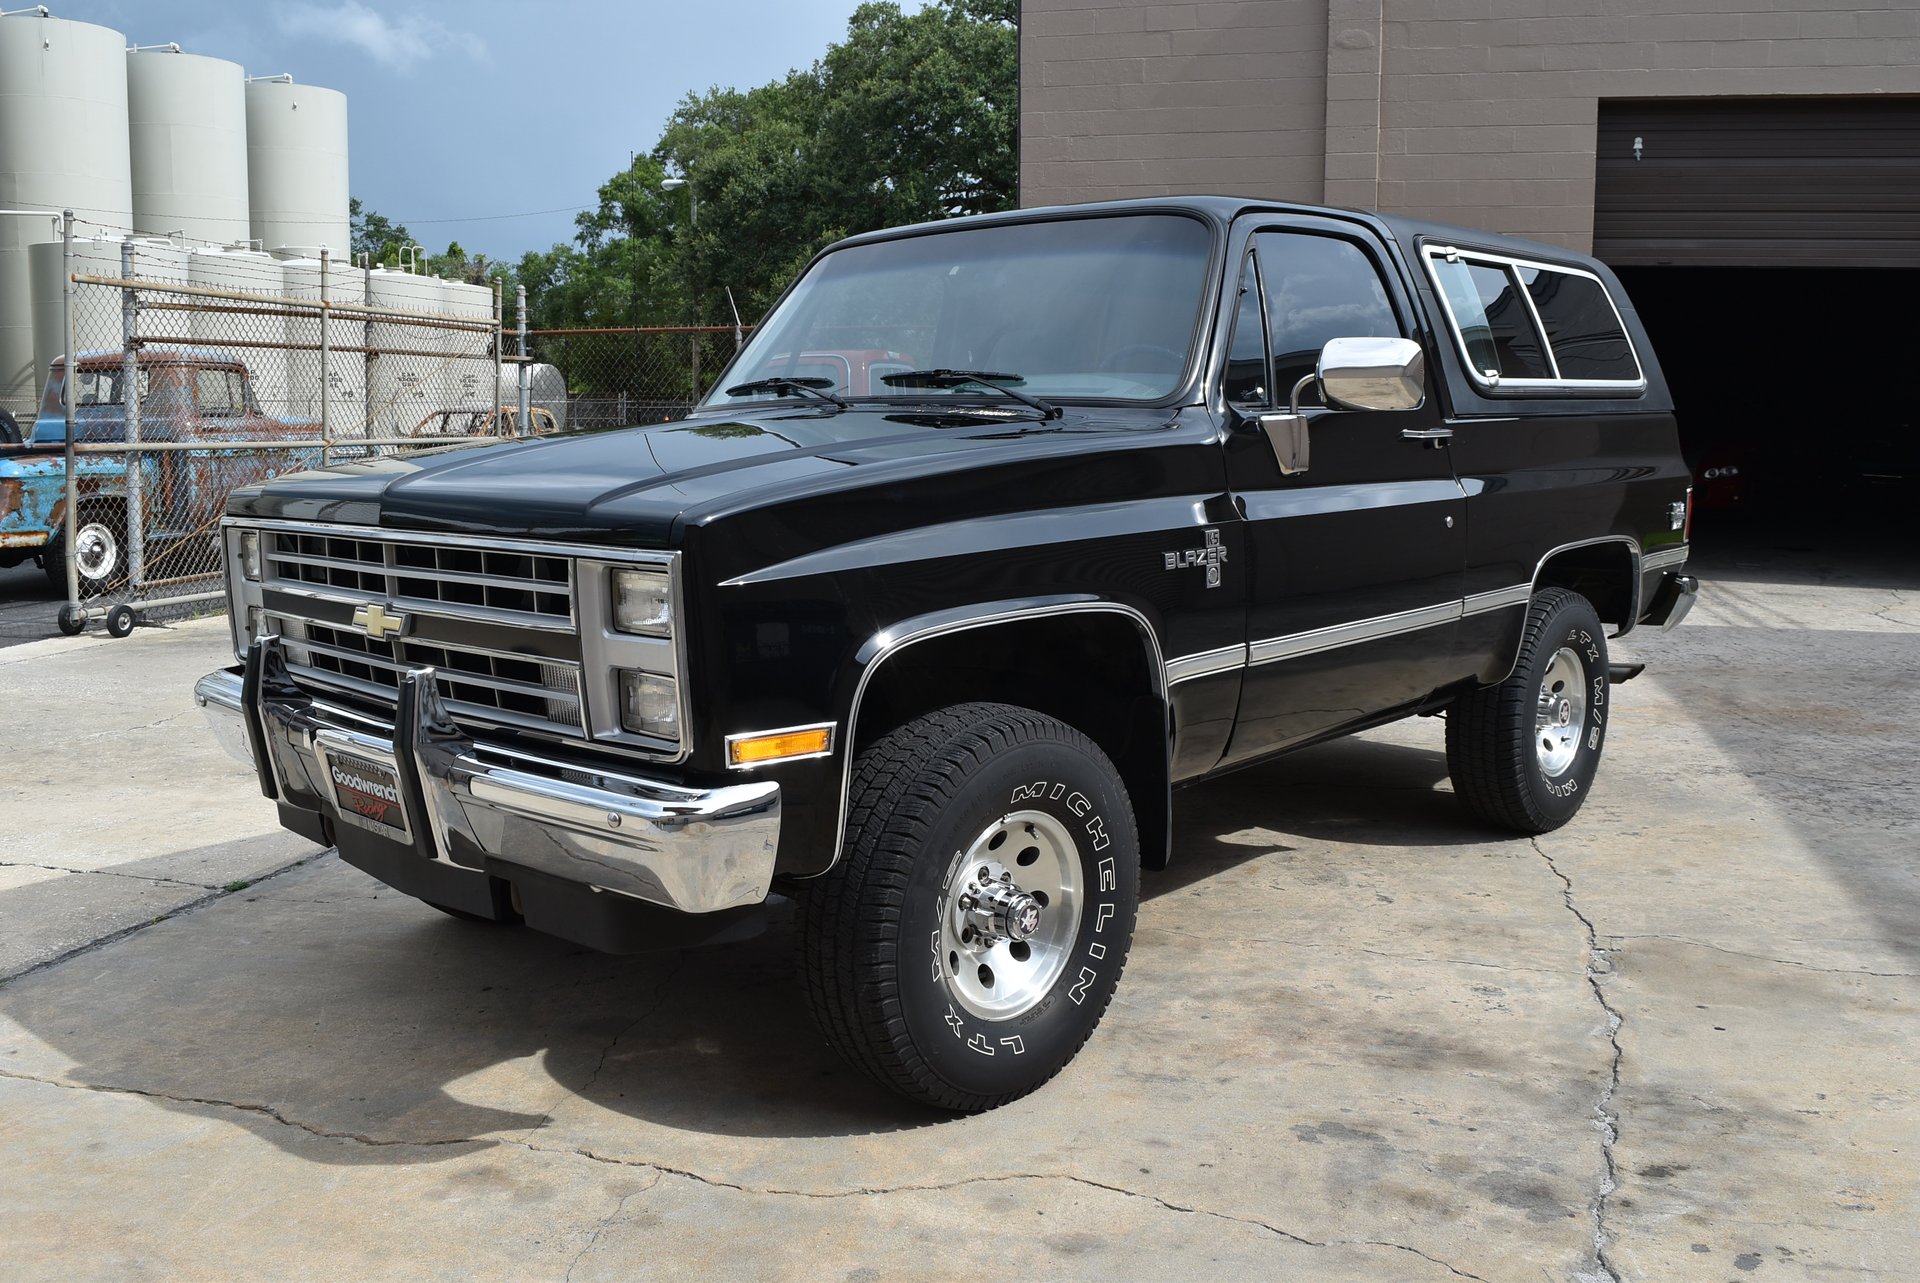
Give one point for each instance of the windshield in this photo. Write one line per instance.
(1075, 308)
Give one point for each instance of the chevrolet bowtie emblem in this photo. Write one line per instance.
(377, 623)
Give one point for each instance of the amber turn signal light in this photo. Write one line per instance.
(778, 746)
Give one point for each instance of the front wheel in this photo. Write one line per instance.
(972, 933)
(1523, 754)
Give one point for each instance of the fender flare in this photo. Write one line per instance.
(890, 641)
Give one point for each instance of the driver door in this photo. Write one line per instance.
(1357, 562)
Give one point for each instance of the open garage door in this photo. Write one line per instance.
(1772, 248)
(1791, 182)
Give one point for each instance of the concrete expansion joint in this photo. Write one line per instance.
(1783, 962)
(1605, 1120)
(213, 894)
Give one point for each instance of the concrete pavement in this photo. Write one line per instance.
(1359, 1037)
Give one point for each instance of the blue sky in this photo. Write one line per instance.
(482, 108)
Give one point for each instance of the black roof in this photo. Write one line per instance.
(1224, 209)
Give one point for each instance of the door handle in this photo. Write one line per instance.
(1427, 434)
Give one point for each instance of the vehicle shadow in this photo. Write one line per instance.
(319, 1002)
(28, 604)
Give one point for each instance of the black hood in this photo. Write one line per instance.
(634, 486)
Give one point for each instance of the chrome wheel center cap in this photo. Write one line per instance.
(1566, 712)
(1002, 911)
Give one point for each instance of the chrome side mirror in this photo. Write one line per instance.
(1373, 374)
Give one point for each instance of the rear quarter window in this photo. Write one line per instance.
(1525, 325)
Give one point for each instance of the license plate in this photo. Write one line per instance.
(368, 794)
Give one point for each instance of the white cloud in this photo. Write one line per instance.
(396, 40)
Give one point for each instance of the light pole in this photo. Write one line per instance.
(693, 222)
(693, 196)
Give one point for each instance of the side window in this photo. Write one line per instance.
(1246, 382)
(217, 392)
(1494, 321)
(1518, 320)
(1318, 288)
(1582, 328)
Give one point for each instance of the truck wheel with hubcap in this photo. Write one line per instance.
(970, 937)
(1522, 754)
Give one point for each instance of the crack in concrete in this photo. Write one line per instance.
(114, 937)
(1355, 948)
(265, 1111)
(653, 1008)
(1606, 1120)
(663, 1171)
(1069, 1177)
(106, 873)
(143, 726)
(1785, 962)
(607, 1220)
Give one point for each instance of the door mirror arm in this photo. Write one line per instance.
(1353, 374)
(1287, 433)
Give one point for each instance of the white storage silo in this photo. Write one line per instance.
(63, 145)
(187, 128)
(97, 320)
(297, 165)
(407, 375)
(470, 374)
(346, 371)
(251, 330)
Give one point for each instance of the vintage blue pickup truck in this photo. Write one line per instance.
(185, 394)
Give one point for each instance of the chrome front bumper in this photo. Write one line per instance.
(469, 803)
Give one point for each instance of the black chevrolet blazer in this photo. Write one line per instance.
(1123, 495)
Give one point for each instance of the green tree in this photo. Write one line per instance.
(374, 235)
(910, 118)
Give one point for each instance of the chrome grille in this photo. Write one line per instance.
(516, 689)
(483, 583)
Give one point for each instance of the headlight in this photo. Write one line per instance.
(249, 554)
(649, 704)
(643, 602)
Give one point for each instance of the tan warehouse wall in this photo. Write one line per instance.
(1479, 112)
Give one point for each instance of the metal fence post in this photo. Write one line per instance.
(326, 364)
(130, 396)
(71, 520)
(526, 360)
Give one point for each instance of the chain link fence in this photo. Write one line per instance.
(608, 378)
(195, 372)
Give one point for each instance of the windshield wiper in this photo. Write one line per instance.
(960, 378)
(812, 387)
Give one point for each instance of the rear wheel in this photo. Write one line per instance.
(967, 942)
(1523, 754)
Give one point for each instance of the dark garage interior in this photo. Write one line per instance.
(1772, 248)
(1805, 381)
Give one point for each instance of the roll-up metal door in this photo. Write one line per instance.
(1781, 182)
